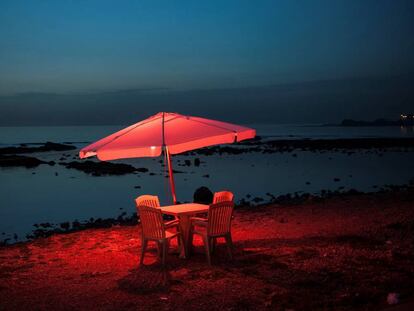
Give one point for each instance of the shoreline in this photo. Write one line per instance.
(67, 159)
(47, 229)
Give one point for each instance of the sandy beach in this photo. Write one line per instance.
(343, 253)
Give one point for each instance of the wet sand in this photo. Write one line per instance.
(342, 253)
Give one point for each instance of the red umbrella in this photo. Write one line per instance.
(172, 132)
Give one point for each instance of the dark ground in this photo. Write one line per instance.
(343, 253)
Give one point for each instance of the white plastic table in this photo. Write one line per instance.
(184, 212)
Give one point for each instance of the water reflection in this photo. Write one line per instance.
(406, 130)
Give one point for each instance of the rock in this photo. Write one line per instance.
(18, 160)
(180, 274)
(100, 168)
(48, 146)
(65, 225)
(203, 195)
(76, 224)
(142, 169)
(353, 191)
(257, 200)
(45, 225)
(393, 298)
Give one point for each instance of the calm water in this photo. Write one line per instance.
(17, 135)
(56, 194)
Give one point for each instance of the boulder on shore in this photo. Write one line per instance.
(48, 146)
(203, 195)
(17, 160)
(101, 168)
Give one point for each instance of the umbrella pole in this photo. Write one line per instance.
(170, 173)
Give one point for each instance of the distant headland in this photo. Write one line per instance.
(405, 120)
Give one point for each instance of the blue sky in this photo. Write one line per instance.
(115, 62)
(72, 46)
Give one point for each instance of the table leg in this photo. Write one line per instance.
(185, 231)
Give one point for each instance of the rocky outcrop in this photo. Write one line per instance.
(203, 195)
(18, 160)
(48, 146)
(102, 168)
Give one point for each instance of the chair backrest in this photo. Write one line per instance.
(148, 200)
(151, 222)
(222, 196)
(219, 218)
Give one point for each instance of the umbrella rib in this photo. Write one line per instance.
(116, 137)
(205, 123)
(172, 119)
(209, 145)
(177, 115)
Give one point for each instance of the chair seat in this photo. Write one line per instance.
(204, 233)
(170, 234)
(199, 222)
(199, 232)
(171, 223)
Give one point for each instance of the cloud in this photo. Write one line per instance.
(317, 101)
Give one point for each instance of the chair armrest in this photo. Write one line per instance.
(172, 223)
(198, 221)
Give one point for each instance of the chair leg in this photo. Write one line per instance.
(159, 249)
(213, 245)
(180, 242)
(229, 244)
(143, 249)
(211, 240)
(164, 251)
(206, 241)
(178, 237)
(190, 241)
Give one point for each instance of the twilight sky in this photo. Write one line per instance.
(82, 61)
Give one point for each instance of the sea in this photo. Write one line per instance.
(56, 194)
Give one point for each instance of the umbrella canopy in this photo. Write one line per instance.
(172, 132)
(177, 132)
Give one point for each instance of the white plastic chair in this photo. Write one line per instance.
(217, 225)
